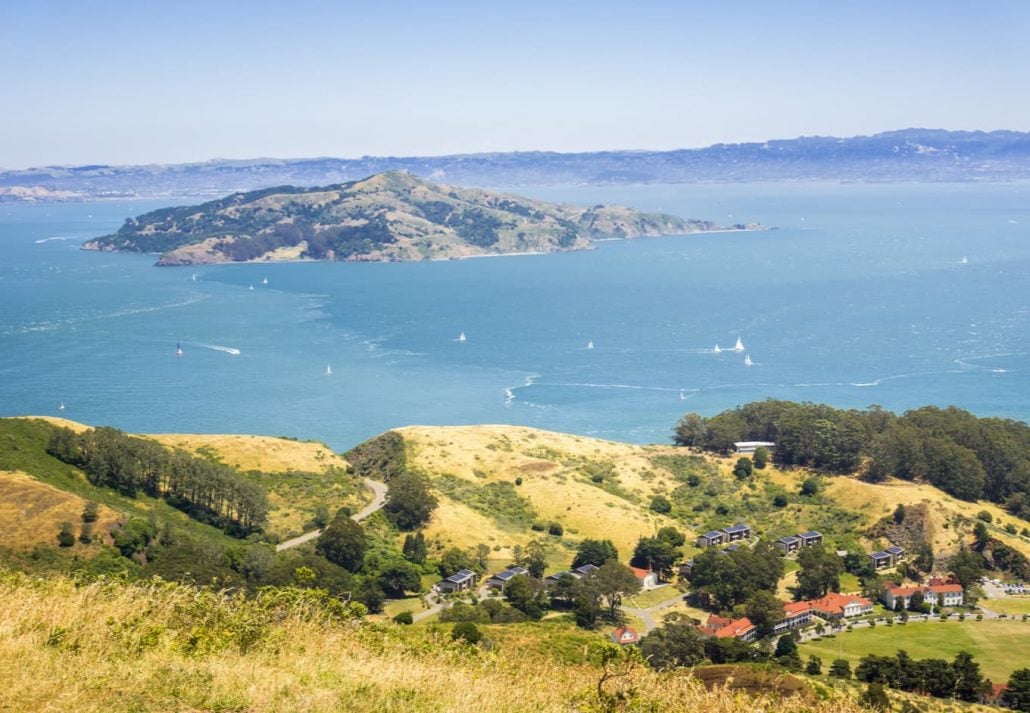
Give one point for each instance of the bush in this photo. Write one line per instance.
(518, 481)
(91, 512)
(984, 515)
(979, 617)
(538, 527)
(693, 480)
(404, 617)
(780, 501)
(555, 528)
(810, 487)
(65, 536)
(1011, 529)
(761, 457)
(597, 478)
(467, 631)
(660, 504)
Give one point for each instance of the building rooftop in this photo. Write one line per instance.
(880, 555)
(810, 534)
(509, 573)
(739, 527)
(713, 533)
(789, 539)
(753, 444)
(460, 576)
(894, 550)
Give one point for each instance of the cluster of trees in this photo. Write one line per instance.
(965, 456)
(410, 502)
(723, 580)
(678, 643)
(206, 491)
(960, 678)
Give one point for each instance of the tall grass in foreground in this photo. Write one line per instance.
(159, 646)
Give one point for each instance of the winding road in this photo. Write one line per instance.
(379, 491)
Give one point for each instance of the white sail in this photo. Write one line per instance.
(590, 344)
(264, 281)
(328, 370)
(461, 337)
(61, 407)
(739, 346)
(194, 277)
(683, 396)
(178, 349)
(964, 260)
(252, 287)
(747, 360)
(718, 349)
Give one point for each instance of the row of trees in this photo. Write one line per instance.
(960, 678)
(965, 456)
(208, 492)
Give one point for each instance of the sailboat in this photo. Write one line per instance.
(61, 407)
(747, 360)
(683, 396)
(590, 344)
(194, 277)
(963, 261)
(264, 281)
(252, 287)
(717, 350)
(739, 346)
(461, 337)
(328, 370)
(178, 349)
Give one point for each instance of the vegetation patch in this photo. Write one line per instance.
(498, 500)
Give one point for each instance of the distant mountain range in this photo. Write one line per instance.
(392, 216)
(925, 155)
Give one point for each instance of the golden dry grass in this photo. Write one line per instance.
(106, 647)
(31, 512)
(264, 453)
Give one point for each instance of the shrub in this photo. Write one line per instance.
(91, 512)
(518, 481)
(538, 527)
(467, 631)
(979, 617)
(840, 668)
(761, 457)
(984, 515)
(780, 501)
(65, 536)
(1011, 529)
(660, 504)
(597, 478)
(555, 528)
(404, 617)
(693, 480)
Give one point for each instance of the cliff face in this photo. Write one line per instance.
(391, 216)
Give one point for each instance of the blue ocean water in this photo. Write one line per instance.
(860, 296)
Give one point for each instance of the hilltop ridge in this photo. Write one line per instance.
(391, 216)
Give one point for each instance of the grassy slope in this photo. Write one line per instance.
(32, 512)
(112, 648)
(555, 469)
(999, 647)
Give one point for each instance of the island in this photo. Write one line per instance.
(390, 216)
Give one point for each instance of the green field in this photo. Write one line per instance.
(1013, 606)
(999, 647)
(650, 598)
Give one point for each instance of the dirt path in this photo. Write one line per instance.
(379, 491)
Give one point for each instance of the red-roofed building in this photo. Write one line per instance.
(647, 578)
(625, 635)
(939, 592)
(795, 616)
(723, 628)
(844, 606)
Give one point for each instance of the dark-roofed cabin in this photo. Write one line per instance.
(740, 531)
(810, 538)
(897, 553)
(710, 539)
(788, 545)
(686, 569)
(500, 580)
(458, 582)
(881, 560)
(584, 570)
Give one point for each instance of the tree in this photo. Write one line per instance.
(980, 535)
(396, 577)
(820, 572)
(656, 554)
(404, 617)
(320, 518)
(899, 514)
(595, 552)
(1017, 692)
(454, 560)
(840, 668)
(414, 549)
(966, 567)
(786, 653)
(743, 469)
(676, 644)
(660, 504)
(65, 536)
(780, 501)
(672, 536)
(526, 595)
(343, 542)
(730, 578)
(692, 430)
(765, 611)
(938, 677)
(91, 511)
(481, 554)
(810, 486)
(875, 698)
(86, 533)
(814, 667)
(761, 457)
(969, 681)
(536, 559)
(466, 631)
(609, 584)
(409, 504)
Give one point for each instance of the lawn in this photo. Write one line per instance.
(998, 646)
(849, 583)
(652, 597)
(1013, 606)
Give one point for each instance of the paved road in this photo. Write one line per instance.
(379, 491)
(647, 615)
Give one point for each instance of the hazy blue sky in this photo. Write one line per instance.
(136, 82)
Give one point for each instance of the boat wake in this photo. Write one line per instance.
(509, 392)
(218, 348)
(58, 237)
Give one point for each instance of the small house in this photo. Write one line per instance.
(740, 531)
(647, 578)
(810, 538)
(686, 569)
(500, 580)
(881, 560)
(460, 581)
(723, 628)
(844, 606)
(788, 545)
(747, 448)
(897, 553)
(710, 539)
(625, 635)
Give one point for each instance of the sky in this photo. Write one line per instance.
(111, 82)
